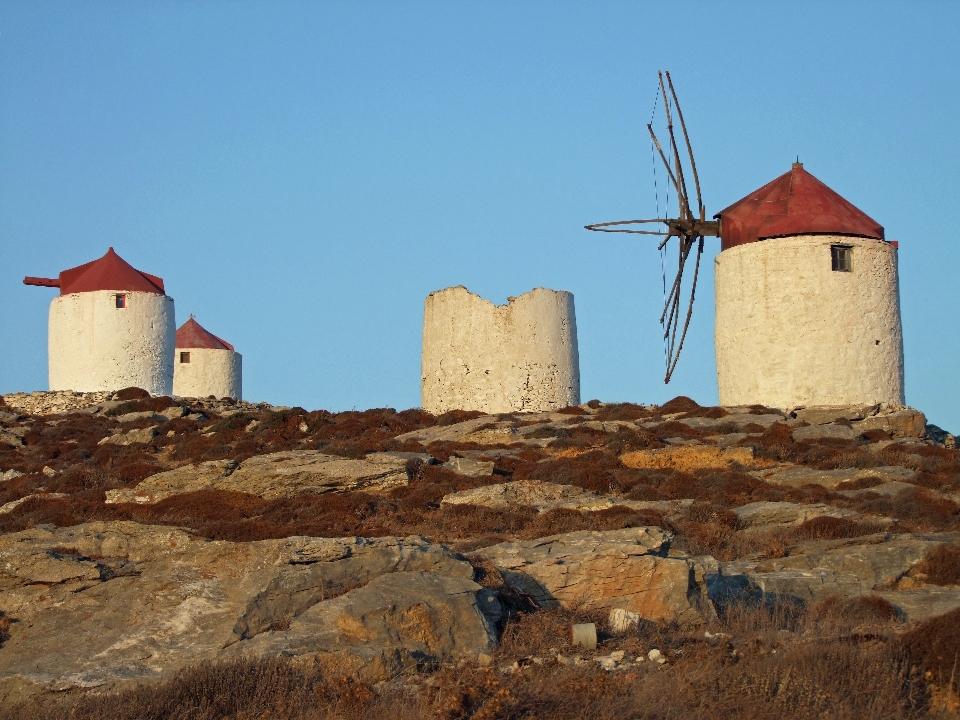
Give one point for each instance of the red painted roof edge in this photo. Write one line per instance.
(110, 272)
(193, 335)
(796, 203)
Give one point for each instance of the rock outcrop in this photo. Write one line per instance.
(142, 601)
(629, 569)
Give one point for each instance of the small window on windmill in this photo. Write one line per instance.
(121, 301)
(184, 357)
(842, 258)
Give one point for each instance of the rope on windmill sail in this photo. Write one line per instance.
(656, 197)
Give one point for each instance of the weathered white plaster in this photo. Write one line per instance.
(790, 331)
(94, 346)
(521, 356)
(209, 372)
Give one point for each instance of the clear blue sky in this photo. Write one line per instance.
(302, 175)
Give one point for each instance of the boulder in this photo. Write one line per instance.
(688, 458)
(174, 411)
(901, 423)
(424, 616)
(144, 435)
(627, 569)
(824, 415)
(143, 601)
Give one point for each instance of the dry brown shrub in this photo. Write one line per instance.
(451, 417)
(580, 437)
(862, 483)
(621, 411)
(833, 528)
(934, 646)
(941, 566)
(595, 471)
(673, 428)
(564, 520)
(679, 404)
(148, 403)
(919, 507)
(572, 410)
(4, 628)
(132, 393)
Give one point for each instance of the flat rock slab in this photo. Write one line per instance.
(546, 496)
(189, 478)
(278, 475)
(888, 489)
(823, 415)
(799, 476)
(111, 602)
(688, 458)
(902, 423)
(765, 515)
(626, 569)
(816, 570)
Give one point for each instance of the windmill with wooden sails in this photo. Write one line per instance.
(807, 287)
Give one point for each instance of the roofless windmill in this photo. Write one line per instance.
(807, 287)
(690, 228)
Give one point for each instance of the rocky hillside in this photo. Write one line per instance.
(143, 538)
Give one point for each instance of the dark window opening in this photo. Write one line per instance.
(184, 357)
(842, 258)
(121, 301)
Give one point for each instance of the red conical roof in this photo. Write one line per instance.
(192, 335)
(796, 203)
(111, 272)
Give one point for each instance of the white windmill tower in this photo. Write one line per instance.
(807, 290)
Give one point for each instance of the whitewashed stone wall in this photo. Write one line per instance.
(521, 356)
(790, 331)
(209, 372)
(94, 346)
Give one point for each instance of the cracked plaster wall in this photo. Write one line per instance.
(521, 356)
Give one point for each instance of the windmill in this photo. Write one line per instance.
(690, 227)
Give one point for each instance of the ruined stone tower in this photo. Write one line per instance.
(111, 327)
(521, 356)
(205, 364)
(807, 300)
